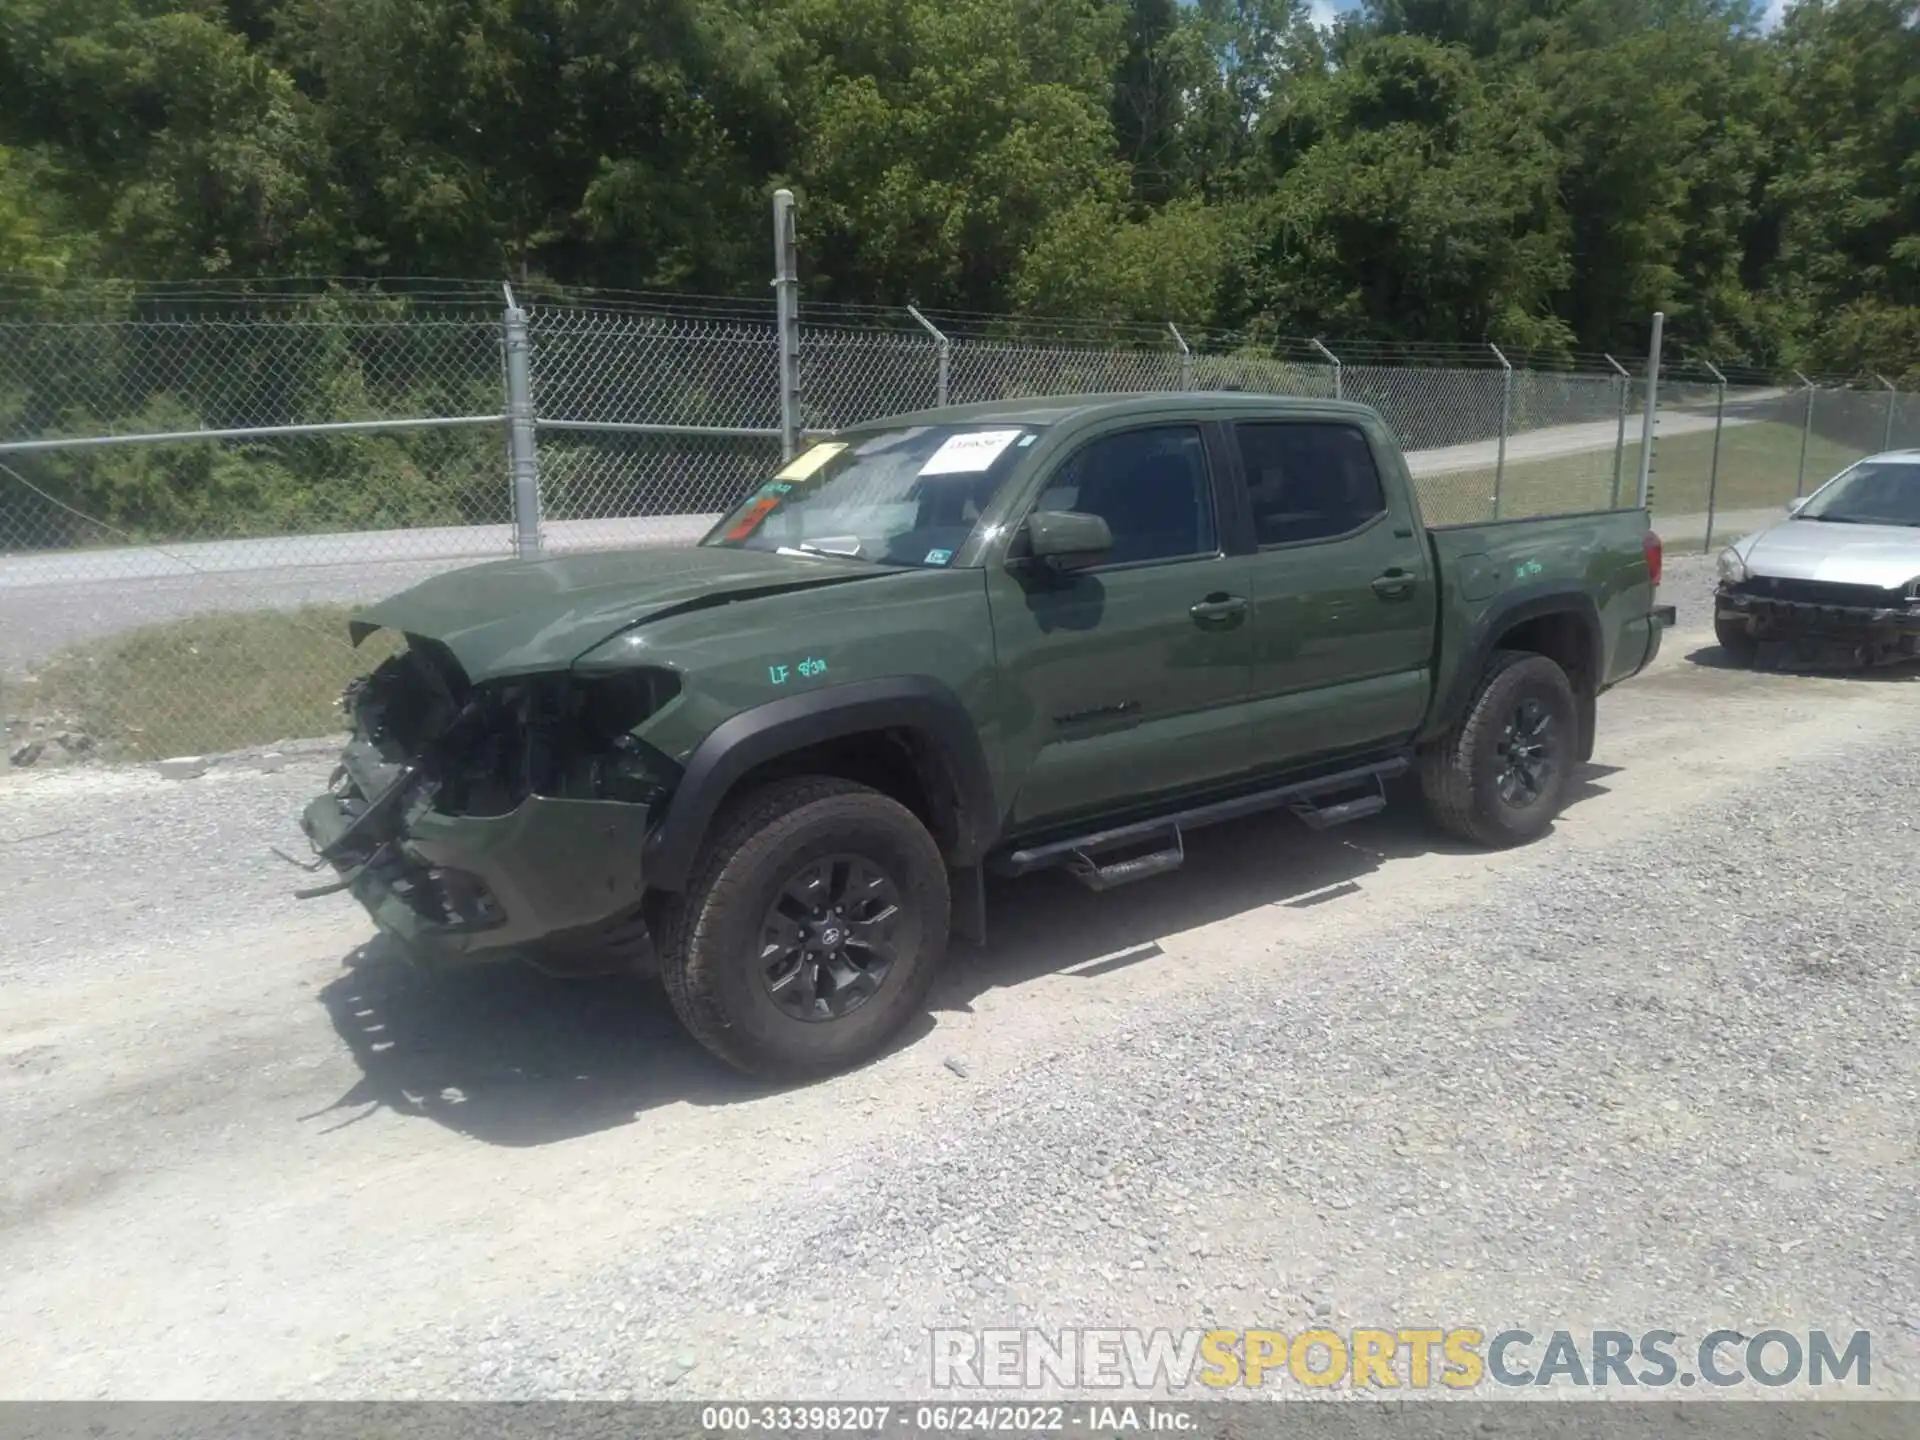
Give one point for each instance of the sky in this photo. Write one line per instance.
(1324, 11)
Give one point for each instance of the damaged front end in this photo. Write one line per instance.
(1823, 624)
(480, 820)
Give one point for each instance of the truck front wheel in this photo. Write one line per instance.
(1500, 775)
(811, 929)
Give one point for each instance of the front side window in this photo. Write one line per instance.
(1871, 493)
(908, 496)
(1151, 488)
(1308, 481)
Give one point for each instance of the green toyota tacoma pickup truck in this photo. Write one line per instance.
(777, 766)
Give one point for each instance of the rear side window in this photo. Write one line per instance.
(1308, 481)
(1151, 488)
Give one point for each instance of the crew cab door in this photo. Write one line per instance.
(1126, 678)
(1345, 596)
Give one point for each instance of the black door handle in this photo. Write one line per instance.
(1394, 585)
(1219, 606)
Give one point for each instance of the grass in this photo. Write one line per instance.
(1758, 469)
(207, 684)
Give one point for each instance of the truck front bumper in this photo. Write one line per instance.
(452, 888)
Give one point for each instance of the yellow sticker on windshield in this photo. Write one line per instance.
(808, 461)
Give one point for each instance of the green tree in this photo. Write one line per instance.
(941, 136)
(172, 147)
(1848, 192)
(1409, 199)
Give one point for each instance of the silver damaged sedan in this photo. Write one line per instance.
(1838, 579)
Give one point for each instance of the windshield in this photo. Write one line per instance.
(908, 496)
(1874, 492)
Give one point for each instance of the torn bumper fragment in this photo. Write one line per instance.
(460, 885)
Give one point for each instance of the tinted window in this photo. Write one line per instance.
(1150, 486)
(1308, 482)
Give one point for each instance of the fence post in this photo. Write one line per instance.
(1893, 399)
(1186, 356)
(1506, 417)
(942, 351)
(1806, 430)
(1713, 472)
(523, 458)
(1653, 401)
(1339, 389)
(1620, 434)
(786, 284)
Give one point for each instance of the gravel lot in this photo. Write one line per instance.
(1657, 1071)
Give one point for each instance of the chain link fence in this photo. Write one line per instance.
(196, 491)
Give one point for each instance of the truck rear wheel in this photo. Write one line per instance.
(1500, 775)
(811, 930)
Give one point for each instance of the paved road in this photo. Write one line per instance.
(48, 601)
(1658, 1070)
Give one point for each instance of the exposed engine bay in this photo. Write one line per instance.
(484, 749)
(428, 746)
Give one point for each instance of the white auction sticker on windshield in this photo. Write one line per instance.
(969, 454)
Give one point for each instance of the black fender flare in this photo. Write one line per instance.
(915, 703)
(1517, 607)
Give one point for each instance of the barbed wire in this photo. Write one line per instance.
(287, 298)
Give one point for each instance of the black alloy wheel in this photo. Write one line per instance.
(827, 942)
(1529, 766)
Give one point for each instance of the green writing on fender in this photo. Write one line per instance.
(809, 667)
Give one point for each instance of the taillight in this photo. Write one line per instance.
(1654, 556)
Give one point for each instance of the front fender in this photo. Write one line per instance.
(916, 703)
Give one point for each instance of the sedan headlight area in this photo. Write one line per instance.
(1732, 568)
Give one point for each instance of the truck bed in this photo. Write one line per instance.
(1491, 574)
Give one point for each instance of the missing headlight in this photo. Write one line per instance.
(562, 736)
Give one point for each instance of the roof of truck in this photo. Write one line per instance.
(1053, 409)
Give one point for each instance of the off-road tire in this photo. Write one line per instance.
(709, 937)
(1736, 640)
(1459, 773)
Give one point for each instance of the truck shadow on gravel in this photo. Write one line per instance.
(515, 1058)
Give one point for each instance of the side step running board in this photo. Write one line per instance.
(1077, 851)
(1095, 876)
(1325, 817)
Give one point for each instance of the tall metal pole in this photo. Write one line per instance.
(1893, 399)
(942, 350)
(786, 285)
(1506, 416)
(1653, 400)
(1186, 356)
(1339, 390)
(1806, 432)
(523, 459)
(1620, 435)
(1713, 473)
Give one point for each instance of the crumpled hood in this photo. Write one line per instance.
(1884, 555)
(512, 617)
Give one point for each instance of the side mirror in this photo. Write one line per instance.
(1797, 504)
(1066, 540)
